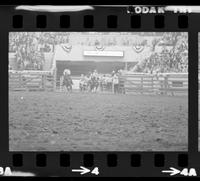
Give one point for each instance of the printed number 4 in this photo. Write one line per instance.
(95, 171)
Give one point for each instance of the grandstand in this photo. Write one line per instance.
(83, 52)
(124, 48)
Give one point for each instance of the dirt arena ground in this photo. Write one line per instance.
(49, 121)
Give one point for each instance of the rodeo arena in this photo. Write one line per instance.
(98, 91)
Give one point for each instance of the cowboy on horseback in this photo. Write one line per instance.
(67, 81)
(94, 81)
(83, 83)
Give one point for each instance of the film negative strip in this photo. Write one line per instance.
(99, 91)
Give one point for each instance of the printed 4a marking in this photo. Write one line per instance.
(185, 172)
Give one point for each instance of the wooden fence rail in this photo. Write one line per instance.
(155, 83)
(128, 82)
(32, 80)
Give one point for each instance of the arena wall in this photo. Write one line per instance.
(79, 67)
(77, 54)
(75, 60)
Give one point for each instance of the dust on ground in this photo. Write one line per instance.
(55, 121)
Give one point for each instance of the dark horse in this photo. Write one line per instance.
(67, 82)
(93, 84)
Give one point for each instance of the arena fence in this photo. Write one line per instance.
(32, 80)
(173, 83)
(154, 83)
(165, 83)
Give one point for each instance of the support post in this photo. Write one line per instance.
(165, 84)
(126, 66)
(20, 80)
(152, 83)
(61, 84)
(54, 79)
(142, 84)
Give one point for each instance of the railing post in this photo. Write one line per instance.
(166, 84)
(43, 80)
(20, 80)
(113, 88)
(61, 84)
(152, 79)
(142, 84)
(54, 79)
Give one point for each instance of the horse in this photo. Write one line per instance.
(93, 84)
(67, 82)
(83, 85)
(107, 83)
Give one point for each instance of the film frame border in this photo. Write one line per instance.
(26, 161)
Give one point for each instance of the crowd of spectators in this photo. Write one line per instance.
(168, 60)
(29, 47)
(160, 64)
